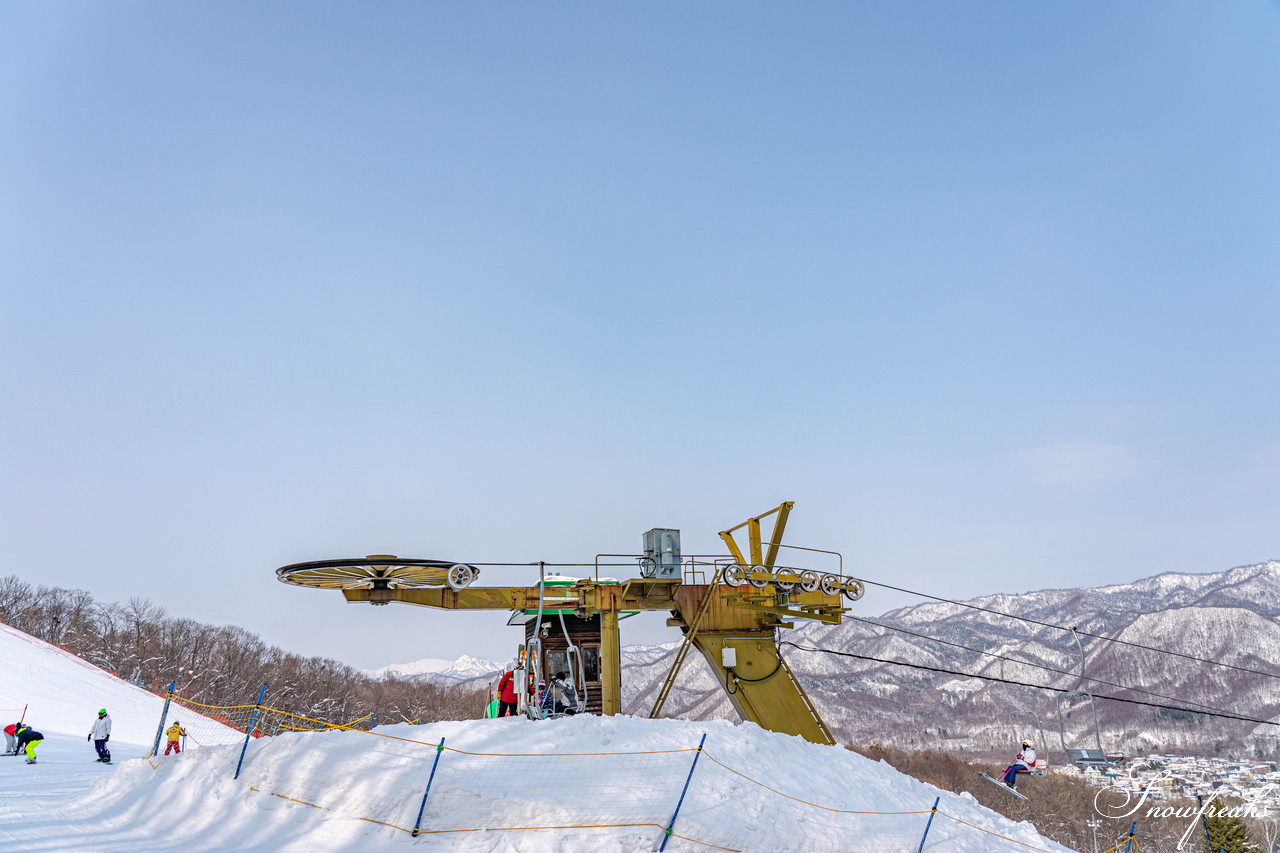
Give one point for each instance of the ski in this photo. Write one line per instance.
(1000, 784)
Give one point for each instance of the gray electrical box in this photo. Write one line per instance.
(661, 554)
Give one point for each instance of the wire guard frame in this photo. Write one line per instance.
(376, 571)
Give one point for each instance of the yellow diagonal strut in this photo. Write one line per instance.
(758, 557)
(690, 633)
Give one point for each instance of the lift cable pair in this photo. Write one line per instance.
(1060, 690)
(1003, 658)
(1075, 630)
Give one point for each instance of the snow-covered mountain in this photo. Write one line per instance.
(413, 669)
(346, 791)
(1229, 617)
(465, 668)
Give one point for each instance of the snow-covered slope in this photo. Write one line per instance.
(337, 783)
(62, 694)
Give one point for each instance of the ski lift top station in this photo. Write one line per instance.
(732, 620)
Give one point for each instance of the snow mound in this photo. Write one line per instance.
(571, 785)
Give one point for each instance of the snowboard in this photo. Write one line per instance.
(31, 761)
(1000, 784)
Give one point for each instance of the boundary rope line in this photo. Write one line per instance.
(558, 754)
(989, 832)
(328, 726)
(186, 701)
(331, 726)
(797, 799)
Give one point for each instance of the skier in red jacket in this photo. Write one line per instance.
(507, 695)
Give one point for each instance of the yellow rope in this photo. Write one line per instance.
(327, 726)
(215, 707)
(461, 752)
(797, 799)
(562, 754)
(704, 843)
(283, 797)
(989, 832)
(384, 823)
(526, 828)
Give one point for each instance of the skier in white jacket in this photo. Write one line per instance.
(1024, 762)
(100, 734)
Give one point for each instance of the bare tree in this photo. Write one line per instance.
(216, 665)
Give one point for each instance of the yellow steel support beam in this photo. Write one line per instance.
(583, 595)
(754, 538)
(760, 685)
(779, 526)
(717, 617)
(610, 664)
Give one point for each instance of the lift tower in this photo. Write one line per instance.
(732, 621)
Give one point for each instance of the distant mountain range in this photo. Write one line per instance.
(1226, 617)
(464, 668)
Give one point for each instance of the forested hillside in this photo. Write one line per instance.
(218, 665)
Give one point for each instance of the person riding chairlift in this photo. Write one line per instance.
(1022, 763)
(567, 701)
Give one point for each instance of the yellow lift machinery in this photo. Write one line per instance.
(733, 620)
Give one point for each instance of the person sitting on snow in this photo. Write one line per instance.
(28, 740)
(1022, 763)
(172, 734)
(100, 734)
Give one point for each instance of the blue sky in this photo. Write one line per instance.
(989, 289)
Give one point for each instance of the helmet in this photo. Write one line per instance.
(101, 711)
(1026, 743)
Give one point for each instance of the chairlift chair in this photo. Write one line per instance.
(1042, 764)
(1081, 757)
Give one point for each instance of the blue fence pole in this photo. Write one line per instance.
(155, 747)
(1128, 845)
(253, 722)
(667, 832)
(417, 824)
(932, 812)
